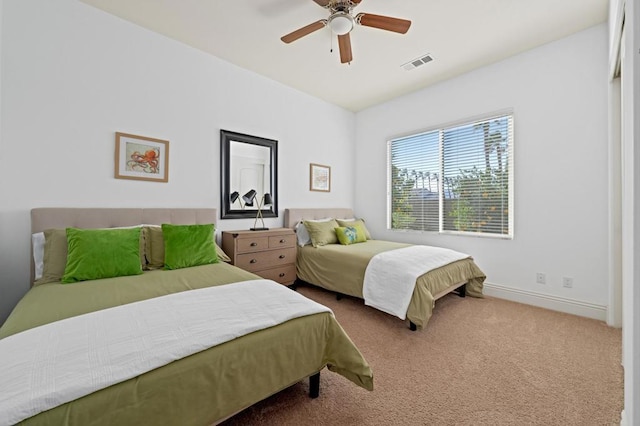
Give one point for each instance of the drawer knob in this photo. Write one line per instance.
(253, 244)
(282, 256)
(282, 274)
(282, 241)
(253, 261)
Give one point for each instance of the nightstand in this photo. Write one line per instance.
(270, 254)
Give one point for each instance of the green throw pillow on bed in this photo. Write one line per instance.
(55, 255)
(350, 235)
(322, 233)
(154, 248)
(188, 245)
(101, 253)
(356, 223)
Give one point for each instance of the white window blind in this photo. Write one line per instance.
(454, 179)
(415, 165)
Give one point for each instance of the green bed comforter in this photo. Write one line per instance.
(341, 268)
(206, 387)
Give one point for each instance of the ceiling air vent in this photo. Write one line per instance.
(415, 63)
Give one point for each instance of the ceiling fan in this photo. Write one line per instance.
(341, 21)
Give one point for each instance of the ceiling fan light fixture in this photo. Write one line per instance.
(341, 23)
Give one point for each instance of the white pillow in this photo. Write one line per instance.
(37, 240)
(303, 235)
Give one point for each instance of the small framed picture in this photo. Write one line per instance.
(319, 178)
(141, 158)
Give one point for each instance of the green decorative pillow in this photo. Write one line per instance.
(356, 223)
(55, 255)
(322, 233)
(154, 248)
(101, 253)
(221, 254)
(350, 235)
(188, 245)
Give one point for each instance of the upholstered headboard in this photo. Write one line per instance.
(293, 216)
(63, 217)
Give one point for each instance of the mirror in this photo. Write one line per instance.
(248, 171)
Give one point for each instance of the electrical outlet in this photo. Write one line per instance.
(541, 278)
(567, 282)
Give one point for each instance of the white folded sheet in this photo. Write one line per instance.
(390, 277)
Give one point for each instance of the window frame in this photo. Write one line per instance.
(441, 129)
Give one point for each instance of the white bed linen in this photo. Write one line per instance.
(37, 241)
(390, 277)
(59, 362)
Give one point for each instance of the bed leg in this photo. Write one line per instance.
(314, 385)
(339, 296)
(295, 284)
(462, 290)
(412, 326)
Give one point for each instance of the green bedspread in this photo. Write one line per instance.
(206, 387)
(341, 268)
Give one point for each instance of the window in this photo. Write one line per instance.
(456, 179)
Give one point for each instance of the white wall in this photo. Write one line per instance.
(73, 75)
(631, 209)
(558, 93)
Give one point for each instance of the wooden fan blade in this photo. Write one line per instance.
(344, 43)
(323, 3)
(383, 22)
(301, 32)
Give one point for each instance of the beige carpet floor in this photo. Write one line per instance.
(478, 362)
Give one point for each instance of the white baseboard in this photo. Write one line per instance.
(547, 301)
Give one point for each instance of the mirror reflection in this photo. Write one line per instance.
(250, 169)
(248, 175)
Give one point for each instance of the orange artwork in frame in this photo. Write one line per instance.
(141, 158)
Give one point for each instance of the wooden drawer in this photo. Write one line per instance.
(278, 241)
(266, 259)
(249, 245)
(283, 275)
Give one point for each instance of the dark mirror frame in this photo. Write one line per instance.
(226, 137)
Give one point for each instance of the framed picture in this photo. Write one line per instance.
(141, 158)
(319, 177)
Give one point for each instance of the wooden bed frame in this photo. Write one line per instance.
(293, 216)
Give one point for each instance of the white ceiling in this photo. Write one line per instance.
(460, 34)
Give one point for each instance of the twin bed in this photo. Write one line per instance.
(205, 385)
(342, 268)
